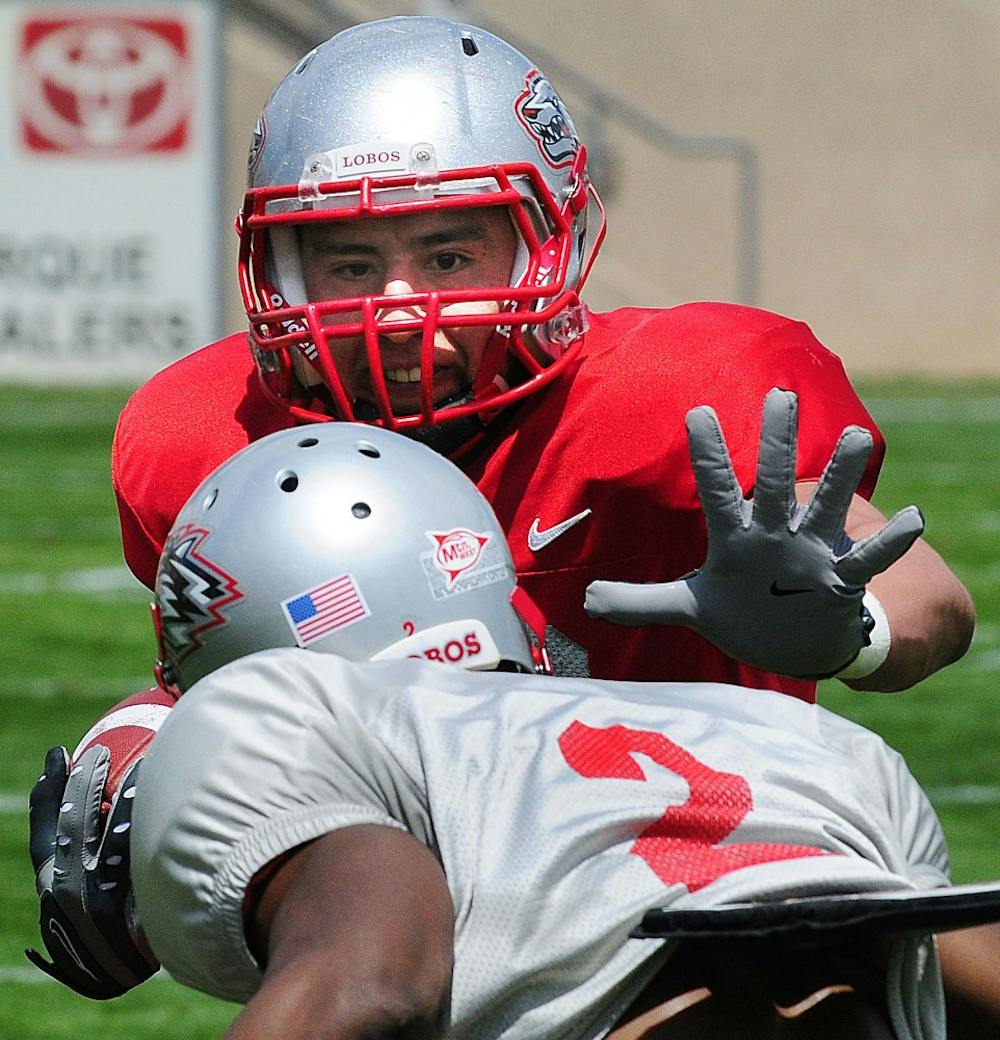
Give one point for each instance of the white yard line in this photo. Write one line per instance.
(27, 974)
(973, 411)
(965, 794)
(31, 975)
(45, 688)
(90, 530)
(15, 478)
(88, 581)
(59, 414)
(985, 661)
(988, 522)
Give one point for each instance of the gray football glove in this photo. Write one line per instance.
(87, 917)
(782, 584)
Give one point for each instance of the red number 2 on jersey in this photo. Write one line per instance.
(682, 846)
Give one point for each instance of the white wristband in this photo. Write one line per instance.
(872, 656)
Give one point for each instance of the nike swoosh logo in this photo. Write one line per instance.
(776, 590)
(539, 539)
(60, 933)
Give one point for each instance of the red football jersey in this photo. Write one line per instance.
(606, 439)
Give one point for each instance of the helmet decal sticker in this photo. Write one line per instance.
(193, 592)
(457, 551)
(543, 115)
(289, 325)
(257, 144)
(462, 560)
(366, 160)
(325, 608)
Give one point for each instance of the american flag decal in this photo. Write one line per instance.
(319, 611)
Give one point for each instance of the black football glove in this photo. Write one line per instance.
(87, 920)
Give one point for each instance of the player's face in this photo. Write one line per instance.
(394, 256)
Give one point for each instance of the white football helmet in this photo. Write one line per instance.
(341, 538)
(403, 116)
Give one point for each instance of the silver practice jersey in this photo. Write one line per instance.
(560, 809)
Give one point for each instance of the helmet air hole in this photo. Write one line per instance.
(210, 499)
(361, 510)
(287, 480)
(309, 442)
(469, 45)
(370, 450)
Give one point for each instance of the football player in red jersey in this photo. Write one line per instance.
(416, 233)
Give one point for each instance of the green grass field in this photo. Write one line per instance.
(75, 638)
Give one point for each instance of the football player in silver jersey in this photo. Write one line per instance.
(371, 815)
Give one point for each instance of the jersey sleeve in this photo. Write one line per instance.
(791, 357)
(253, 762)
(729, 356)
(920, 833)
(912, 840)
(140, 546)
(175, 429)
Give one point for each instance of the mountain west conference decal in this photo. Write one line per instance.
(540, 111)
(104, 84)
(457, 551)
(462, 560)
(193, 592)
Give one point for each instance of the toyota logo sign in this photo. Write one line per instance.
(104, 84)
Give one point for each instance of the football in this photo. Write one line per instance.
(126, 731)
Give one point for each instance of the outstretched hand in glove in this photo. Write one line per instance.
(782, 584)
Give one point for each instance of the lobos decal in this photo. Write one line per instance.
(540, 111)
(194, 593)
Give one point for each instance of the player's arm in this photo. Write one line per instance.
(81, 854)
(80, 819)
(142, 538)
(355, 931)
(929, 612)
(785, 584)
(969, 960)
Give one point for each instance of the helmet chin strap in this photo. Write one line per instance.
(445, 437)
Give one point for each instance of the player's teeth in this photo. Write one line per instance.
(403, 375)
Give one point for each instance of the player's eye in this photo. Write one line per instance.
(353, 270)
(448, 261)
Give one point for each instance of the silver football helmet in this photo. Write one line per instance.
(341, 538)
(397, 117)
